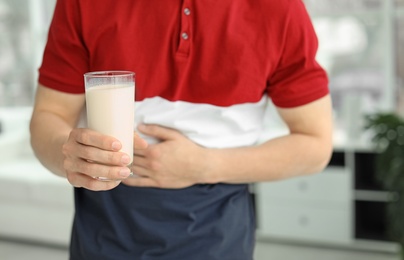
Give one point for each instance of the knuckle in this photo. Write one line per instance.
(151, 128)
(114, 157)
(153, 152)
(84, 137)
(65, 149)
(73, 134)
(112, 173)
(71, 178)
(66, 164)
(110, 156)
(86, 153)
(86, 167)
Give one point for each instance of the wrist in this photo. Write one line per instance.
(209, 173)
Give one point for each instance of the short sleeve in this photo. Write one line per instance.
(298, 78)
(65, 58)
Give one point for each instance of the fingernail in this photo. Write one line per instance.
(125, 159)
(116, 146)
(124, 172)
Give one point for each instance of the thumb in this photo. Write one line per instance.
(159, 132)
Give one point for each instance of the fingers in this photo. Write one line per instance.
(139, 161)
(140, 182)
(159, 132)
(92, 138)
(93, 161)
(79, 180)
(89, 153)
(139, 143)
(91, 157)
(88, 145)
(97, 170)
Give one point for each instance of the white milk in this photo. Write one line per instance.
(111, 111)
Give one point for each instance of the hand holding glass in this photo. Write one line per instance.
(110, 101)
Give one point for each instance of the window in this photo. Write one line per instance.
(23, 30)
(362, 49)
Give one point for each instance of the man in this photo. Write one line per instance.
(205, 70)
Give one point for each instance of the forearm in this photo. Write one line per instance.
(48, 134)
(276, 159)
(54, 116)
(307, 149)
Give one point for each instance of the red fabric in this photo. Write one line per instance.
(236, 51)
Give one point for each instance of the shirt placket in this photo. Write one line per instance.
(185, 36)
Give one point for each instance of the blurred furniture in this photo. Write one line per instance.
(35, 205)
(343, 206)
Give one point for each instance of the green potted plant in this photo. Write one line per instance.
(388, 137)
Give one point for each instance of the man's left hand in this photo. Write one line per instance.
(175, 162)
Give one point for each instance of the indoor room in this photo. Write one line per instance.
(353, 209)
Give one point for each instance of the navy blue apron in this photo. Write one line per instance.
(202, 222)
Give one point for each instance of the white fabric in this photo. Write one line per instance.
(205, 124)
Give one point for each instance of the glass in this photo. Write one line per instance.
(110, 102)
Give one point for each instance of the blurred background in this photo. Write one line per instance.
(343, 213)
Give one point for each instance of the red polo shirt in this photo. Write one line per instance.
(215, 52)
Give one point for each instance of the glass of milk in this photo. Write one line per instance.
(110, 102)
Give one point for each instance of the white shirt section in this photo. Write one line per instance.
(205, 124)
